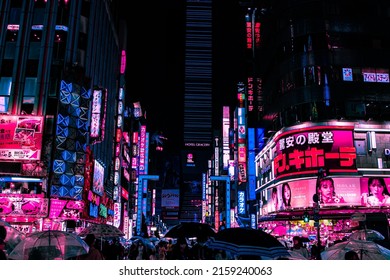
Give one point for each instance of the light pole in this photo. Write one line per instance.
(316, 198)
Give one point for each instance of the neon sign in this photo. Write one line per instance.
(306, 151)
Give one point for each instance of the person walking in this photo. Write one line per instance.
(351, 255)
(299, 248)
(180, 250)
(3, 235)
(93, 252)
(3, 255)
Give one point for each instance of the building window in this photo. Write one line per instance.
(29, 96)
(5, 92)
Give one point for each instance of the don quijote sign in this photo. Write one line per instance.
(314, 147)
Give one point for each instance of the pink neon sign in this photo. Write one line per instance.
(20, 137)
(306, 150)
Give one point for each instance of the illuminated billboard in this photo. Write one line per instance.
(332, 192)
(98, 178)
(20, 138)
(98, 114)
(170, 198)
(27, 205)
(66, 209)
(304, 151)
(142, 150)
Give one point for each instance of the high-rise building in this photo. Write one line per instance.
(198, 105)
(61, 112)
(324, 76)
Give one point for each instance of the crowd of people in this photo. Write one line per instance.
(181, 249)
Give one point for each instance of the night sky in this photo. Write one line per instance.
(155, 67)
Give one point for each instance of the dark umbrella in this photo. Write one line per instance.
(191, 229)
(247, 242)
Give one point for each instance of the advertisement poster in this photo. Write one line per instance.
(375, 191)
(66, 209)
(305, 151)
(23, 205)
(170, 198)
(20, 137)
(98, 178)
(333, 191)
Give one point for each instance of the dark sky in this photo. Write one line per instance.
(155, 65)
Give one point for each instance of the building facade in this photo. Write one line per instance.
(324, 88)
(61, 111)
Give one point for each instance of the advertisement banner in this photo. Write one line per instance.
(66, 209)
(21, 137)
(98, 178)
(375, 191)
(305, 151)
(299, 194)
(170, 198)
(23, 205)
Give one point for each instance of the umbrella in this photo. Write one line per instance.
(367, 250)
(145, 241)
(201, 231)
(49, 245)
(101, 231)
(248, 241)
(366, 234)
(294, 255)
(10, 235)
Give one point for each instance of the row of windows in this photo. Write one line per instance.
(29, 94)
(318, 75)
(325, 41)
(349, 110)
(39, 11)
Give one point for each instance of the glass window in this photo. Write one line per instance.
(32, 68)
(30, 87)
(4, 102)
(36, 36)
(12, 35)
(39, 16)
(34, 50)
(6, 68)
(5, 92)
(5, 85)
(29, 96)
(14, 15)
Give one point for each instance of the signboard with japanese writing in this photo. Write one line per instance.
(66, 209)
(20, 137)
(23, 205)
(241, 206)
(340, 191)
(306, 150)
